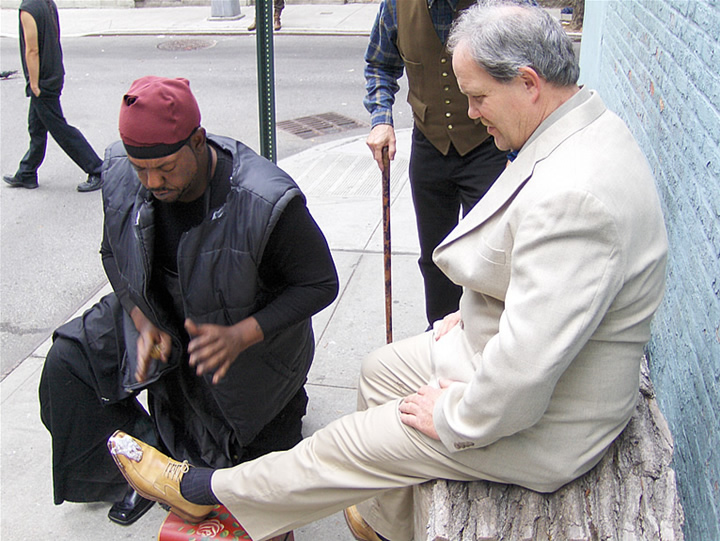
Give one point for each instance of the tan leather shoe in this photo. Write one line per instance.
(253, 26)
(154, 476)
(277, 25)
(360, 529)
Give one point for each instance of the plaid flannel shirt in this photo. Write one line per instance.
(383, 64)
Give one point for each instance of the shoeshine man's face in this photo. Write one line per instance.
(176, 177)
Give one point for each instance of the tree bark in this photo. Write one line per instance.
(578, 15)
(630, 494)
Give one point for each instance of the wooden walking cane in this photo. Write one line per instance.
(386, 243)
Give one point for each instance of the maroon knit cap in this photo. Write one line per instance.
(157, 117)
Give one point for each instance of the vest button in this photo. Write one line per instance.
(444, 74)
(450, 126)
(447, 102)
(448, 115)
(443, 60)
(446, 88)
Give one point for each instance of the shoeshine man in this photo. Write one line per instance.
(217, 267)
(562, 265)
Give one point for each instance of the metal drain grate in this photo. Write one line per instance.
(307, 127)
(186, 44)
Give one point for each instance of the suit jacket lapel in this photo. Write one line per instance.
(572, 116)
(507, 185)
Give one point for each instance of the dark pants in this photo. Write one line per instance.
(72, 409)
(80, 424)
(45, 115)
(442, 186)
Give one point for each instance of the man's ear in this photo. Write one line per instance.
(531, 81)
(197, 141)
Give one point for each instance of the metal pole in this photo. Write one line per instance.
(266, 78)
(386, 244)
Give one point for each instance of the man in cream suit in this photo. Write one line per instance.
(562, 265)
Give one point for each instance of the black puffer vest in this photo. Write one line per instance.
(218, 274)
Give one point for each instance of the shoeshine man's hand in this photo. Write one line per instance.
(152, 344)
(381, 136)
(416, 410)
(213, 348)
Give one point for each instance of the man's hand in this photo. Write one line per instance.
(448, 322)
(416, 410)
(213, 348)
(152, 344)
(381, 136)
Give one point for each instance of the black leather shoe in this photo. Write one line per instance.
(130, 508)
(93, 182)
(16, 182)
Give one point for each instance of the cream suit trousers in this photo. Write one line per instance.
(369, 457)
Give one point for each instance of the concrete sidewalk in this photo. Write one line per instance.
(299, 19)
(343, 188)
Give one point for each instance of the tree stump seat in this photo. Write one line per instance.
(630, 495)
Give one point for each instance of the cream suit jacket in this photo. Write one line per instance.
(562, 265)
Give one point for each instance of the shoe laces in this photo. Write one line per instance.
(175, 470)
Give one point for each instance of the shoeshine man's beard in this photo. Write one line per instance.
(181, 192)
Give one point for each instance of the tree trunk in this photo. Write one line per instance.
(630, 494)
(578, 15)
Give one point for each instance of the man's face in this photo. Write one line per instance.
(172, 178)
(502, 107)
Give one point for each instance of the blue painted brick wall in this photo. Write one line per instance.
(656, 63)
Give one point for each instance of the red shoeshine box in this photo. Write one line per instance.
(219, 524)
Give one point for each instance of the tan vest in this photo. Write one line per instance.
(439, 108)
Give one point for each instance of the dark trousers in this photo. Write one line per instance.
(45, 115)
(442, 186)
(80, 423)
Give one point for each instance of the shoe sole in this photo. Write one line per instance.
(20, 185)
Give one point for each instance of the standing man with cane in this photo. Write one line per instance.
(453, 161)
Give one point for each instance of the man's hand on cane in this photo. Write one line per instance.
(381, 136)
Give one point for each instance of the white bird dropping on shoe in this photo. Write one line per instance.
(126, 446)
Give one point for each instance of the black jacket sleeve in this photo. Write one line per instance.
(296, 263)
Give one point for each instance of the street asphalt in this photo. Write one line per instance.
(343, 187)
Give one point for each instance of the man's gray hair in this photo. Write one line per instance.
(504, 36)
